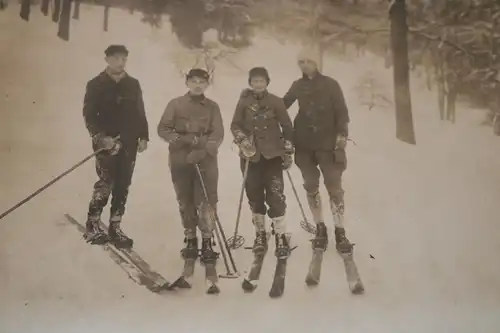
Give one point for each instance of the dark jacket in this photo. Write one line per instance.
(265, 121)
(186, 117)
(322, 112)
(115, 108)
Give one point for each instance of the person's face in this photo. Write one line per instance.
(258, 83)
(117, 62)
(307, 66)
(197, 85)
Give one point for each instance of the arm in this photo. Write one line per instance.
(144, 128)
(238, 121)
(166, 126)
(284, 120)
(217, 131)
(341, 111)
(291, 95)
(90, 111)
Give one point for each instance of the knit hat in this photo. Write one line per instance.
(260, 72)
(199, 73)
(310, 53)
(115, 49)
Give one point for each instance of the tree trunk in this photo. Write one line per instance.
(64, 20)
(45, 7)
(106, 18)
(399, 44)
(76, 10)
(25, 10)
(57, 10)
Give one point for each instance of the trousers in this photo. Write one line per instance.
(115, 177)
(195, 211)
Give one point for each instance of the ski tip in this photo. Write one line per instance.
(310, 282)
(248, 286)
(180, 283)
(213, 290)
(357, 289)
(276, 293)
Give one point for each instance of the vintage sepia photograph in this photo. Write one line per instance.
(273, 166)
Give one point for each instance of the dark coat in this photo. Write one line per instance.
(114, 108)
(265, 120)
(322, 112)
(186, 117)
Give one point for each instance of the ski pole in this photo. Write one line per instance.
(308, 226)
(216, 218)
(219, 241)
(46, 186)
(238, 216)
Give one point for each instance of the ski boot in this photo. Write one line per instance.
(342, 243)
(190, 251)
(118, 238)
(260, 243)
(208, 255)
(282, 246)
(94, 234)
(320, 242)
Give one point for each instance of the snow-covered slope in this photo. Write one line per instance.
(426, 213)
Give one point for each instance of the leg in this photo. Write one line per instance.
(124, 173)
(332, 173)
(276, 200)
(183, 180)
(254, 188)
(308, 164)
(106, 171)
(207, 211)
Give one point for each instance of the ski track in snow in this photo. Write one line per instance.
(427, 213)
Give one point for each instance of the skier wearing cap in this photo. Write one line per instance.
(192, 125)
(114, 115)
(320, 136)
(263, 130)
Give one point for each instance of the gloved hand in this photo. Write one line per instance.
(142, 145)
(341, 141)
(196, 156)
(107, 143)
(287, 161)
(199, 142)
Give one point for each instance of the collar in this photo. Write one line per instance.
(196, 99)
(316, 76)
(115, 77)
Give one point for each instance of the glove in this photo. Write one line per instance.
(107, 143)
(199, 142)
(247, 149)
(341, 141)
(142, 145)
(196, 156)
(287, 161)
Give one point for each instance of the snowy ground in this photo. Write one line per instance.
(426, 213)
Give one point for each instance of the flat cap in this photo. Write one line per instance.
(198, 72)
(115, 49)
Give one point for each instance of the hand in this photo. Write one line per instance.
(287, 161)
(107, 143)
(199, 142)
(247, 149)
(196, 156)
(341, 142)
(142, 145)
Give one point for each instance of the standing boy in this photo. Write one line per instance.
(192, 125)
(263, 130)
(320, 136)
(114, 116)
